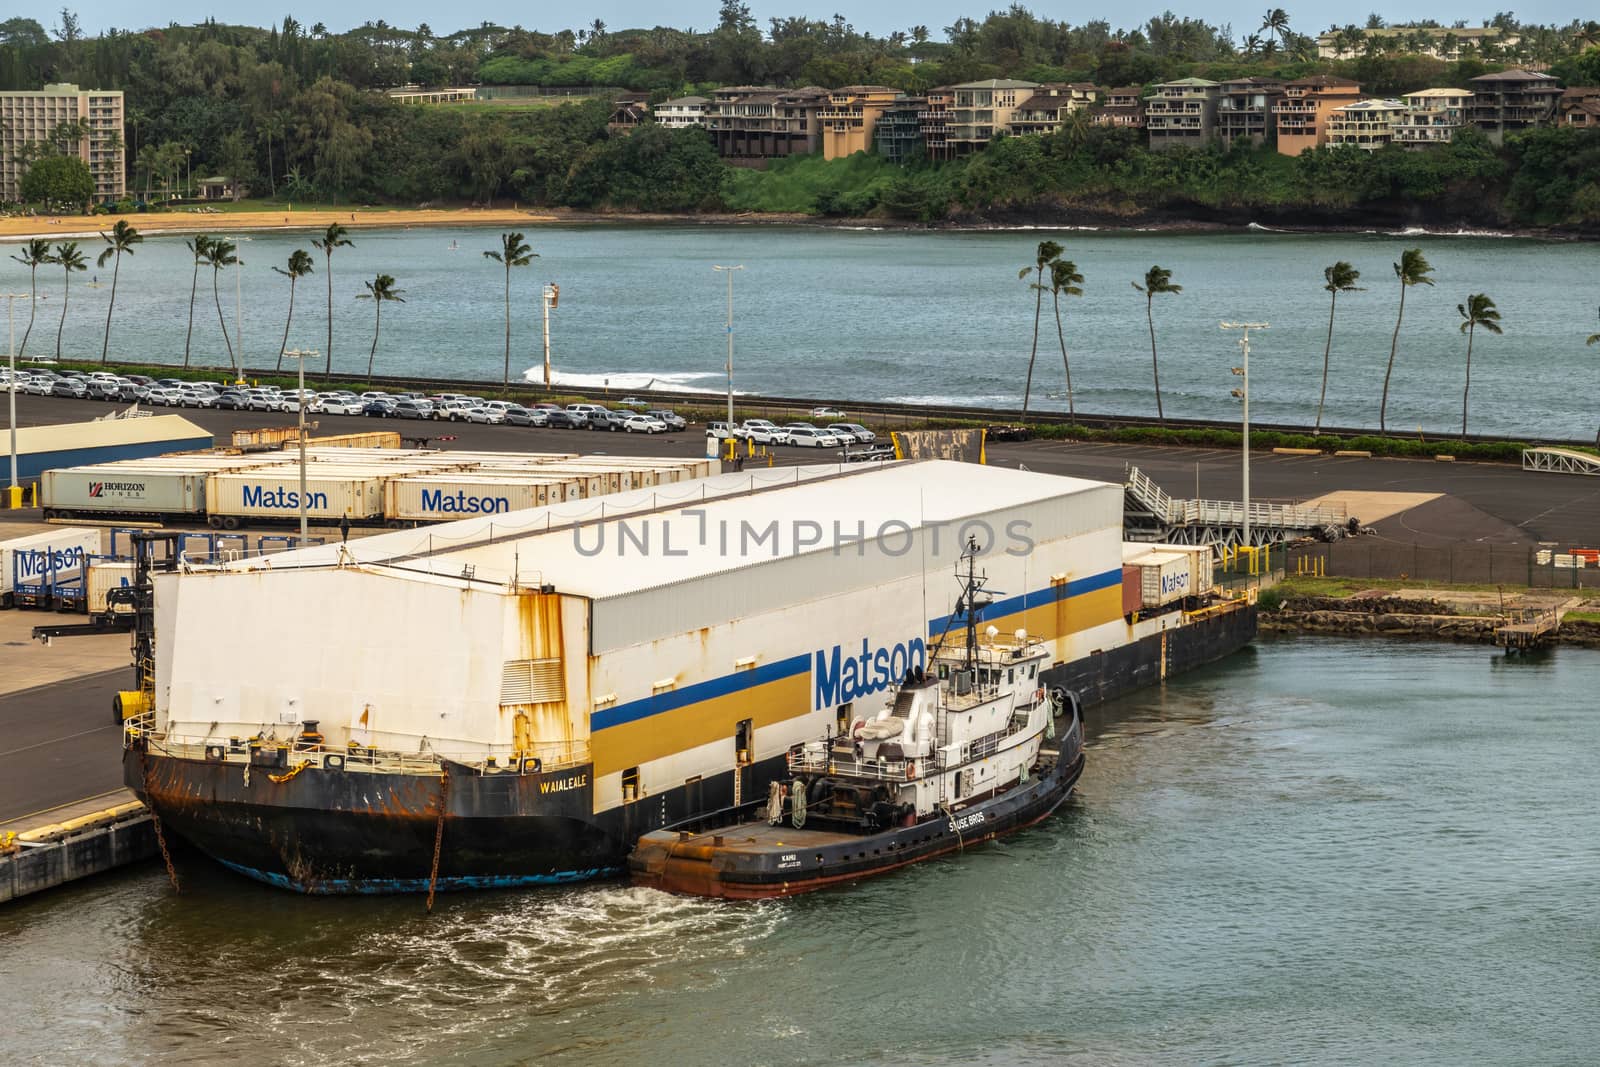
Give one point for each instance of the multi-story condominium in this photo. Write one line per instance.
(1183, 112)
(935, 121)
(1368, 124)
(979, 111)
(1123, 106)
(1580, 107)
(1432, 117)
(683, 111)
(1302, 114)
(1049, 106)
(850, 116)
(1512, 101)
(756, 122)
(34, 117)
(898, 135)
(1244, 110)
(1437, 41)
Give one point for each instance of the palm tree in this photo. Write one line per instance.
(1044, 255)
(121, 239)
(300, 264)
(198, 249)
(1341, 278)
(70, 259)
(219, 254)
(332, 239)
(1276, 23)
(34, 254)
(1478, 311)
(379, 290)
(1156, 280)
(1064, 278)
(1412, 269)
(513, 253)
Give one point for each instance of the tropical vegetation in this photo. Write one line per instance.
(122, 238)
(299, 265)
(513, 252)
(219, 256)
(34, 254)
(1341, 277)
(331, 240)
(69, 259)
(1157, 280)
(1477, 313)
(1412, 270)
(380, 291)
(1046, 254)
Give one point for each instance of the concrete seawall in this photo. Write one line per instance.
(1478, 629)
(51, 855)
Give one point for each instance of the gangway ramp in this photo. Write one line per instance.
(1151, 513)
(1560, 461)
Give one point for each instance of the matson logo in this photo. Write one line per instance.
(38, 562)
(837, 679)
(97, 489)
(1174, 583)
(463, 503)
(259, 496)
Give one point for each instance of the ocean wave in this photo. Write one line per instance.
(1258, 228)
(680, 382)
(1423, 231)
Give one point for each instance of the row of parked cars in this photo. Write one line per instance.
(799, 434)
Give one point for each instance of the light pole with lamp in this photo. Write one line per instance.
(300, 356)
(729, 272)
(1243, 394)
(550, 297)
(14, 498)
(238, 316)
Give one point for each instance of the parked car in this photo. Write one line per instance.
(764, 432)
(336, 404)
(517, 415)
(641, 423)
(410, 409)
(232, 400)
(261, 400)
(666, 415)
(811, 437)
(606, 419)
(163, 396)
(826, 413)
(72, 387)
(289, 400)
(585, 410)
(546, 407)
(854, 429)
(102, 388)
(379, 408)
(451, 410)
(723, 431)
(561, 418)
(632, 402)
(39, 385)
(486, 415)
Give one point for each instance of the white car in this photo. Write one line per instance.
(38, 385)
(164, 396)
(261, 400)
(643, 424)
(481, 413)
(811, 437)
(289, 400)
(190, 397)
(338, 405)
(453, 410)
(860, 433)
(764, 432)
(826, 413)
(722, 431)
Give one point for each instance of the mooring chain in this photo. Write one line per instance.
(155, 821)
(438, 835)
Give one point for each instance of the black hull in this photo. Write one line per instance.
(757, 861)
(328, 831)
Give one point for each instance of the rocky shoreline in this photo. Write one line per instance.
(1406, 618)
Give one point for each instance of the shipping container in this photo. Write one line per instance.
(1165, 577)
(371, 439)
(44, 559)
(1203, 575)
(122, 490)
(105, 575)
(1132, 589)
(275, 494)
(433, 498)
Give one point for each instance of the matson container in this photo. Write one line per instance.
(33, 558)
(105, 576)
(127, 491)
(1164, 577)
(1201, 573)
(441, 497)
(275, 494)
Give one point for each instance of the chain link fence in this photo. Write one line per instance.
(1465, 564)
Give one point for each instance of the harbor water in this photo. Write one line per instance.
(863, 314)
(1317, 851)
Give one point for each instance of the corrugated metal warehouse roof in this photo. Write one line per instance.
(42, 448)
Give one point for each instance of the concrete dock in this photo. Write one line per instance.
(64, 813)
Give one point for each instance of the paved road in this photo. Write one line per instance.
(1489, 502)
(58, 744)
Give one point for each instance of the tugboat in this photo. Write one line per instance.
(957, 756)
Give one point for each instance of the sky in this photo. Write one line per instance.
(877, 16)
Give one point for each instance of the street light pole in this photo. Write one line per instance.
(238, 316)
(729, 272)
(300, 356)
(549, 295)
(11, 387)
(1244, 395)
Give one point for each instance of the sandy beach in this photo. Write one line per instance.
(184, 221)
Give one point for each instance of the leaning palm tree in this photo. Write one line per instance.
(1156, 280)
(69, 259)
(121, 239)
(34, 254)
(1341, 278)
(220, 254)
(1044, 255)
(1478, 311)
(300, 264)
(379, 290)
(332, 239)
(199, 250)
(1064, 278)
(513, 253)
(1412, 269)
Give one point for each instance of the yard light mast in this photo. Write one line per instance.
(300, 355)
(729, 272)
(1243, 393)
